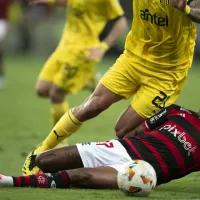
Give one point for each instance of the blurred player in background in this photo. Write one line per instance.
(70, 67)
(4, 10)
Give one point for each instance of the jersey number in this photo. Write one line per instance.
(70, 71)
(106, 144)
(160, 100)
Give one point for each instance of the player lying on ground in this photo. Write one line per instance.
(169, 141)
(158, 53)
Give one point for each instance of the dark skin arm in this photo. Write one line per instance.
(137, 131)
(178, 4)
(193, 4)
(195, 11)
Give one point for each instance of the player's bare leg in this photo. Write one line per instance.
(57, 95)
(43, 88)
(66, 158)
(47, 89)
(100, 100)
(127, 122)
(59, 107)
(91, 178)
(97, 102)
(94, 178)
(59, 159)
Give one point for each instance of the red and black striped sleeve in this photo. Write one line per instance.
(159, 118)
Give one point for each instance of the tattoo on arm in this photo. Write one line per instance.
(195, 10)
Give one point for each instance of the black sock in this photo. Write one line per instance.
(43, 180)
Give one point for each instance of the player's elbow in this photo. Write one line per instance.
(120, 133)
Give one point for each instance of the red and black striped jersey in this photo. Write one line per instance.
(170, 143)
(4, 7)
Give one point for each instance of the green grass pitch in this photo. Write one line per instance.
(25, 121)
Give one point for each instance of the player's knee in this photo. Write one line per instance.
(120, 132)
(87, 179)
(43, 160)
(42, 91)
(83, 179)
(57, 95)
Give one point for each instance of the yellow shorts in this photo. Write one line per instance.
(68, 69)
(151, 90)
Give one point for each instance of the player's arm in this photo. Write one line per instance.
(62, 3)
(179, 4)
(119, 27)
(190, 7)
(193, 9)
(137, 131)
(152, 122)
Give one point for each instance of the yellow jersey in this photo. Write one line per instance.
(161, 35)
(87, 19)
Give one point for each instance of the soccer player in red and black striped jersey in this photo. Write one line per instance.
(169, 141)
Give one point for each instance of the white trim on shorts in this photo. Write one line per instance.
(98, 154)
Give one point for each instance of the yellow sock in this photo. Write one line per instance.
(66, 126)
(57, 111)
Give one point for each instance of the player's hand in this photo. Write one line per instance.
(178, 4)
(32, 2)
(95, 54)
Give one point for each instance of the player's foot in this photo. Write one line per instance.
(6, 181)
(29, 167)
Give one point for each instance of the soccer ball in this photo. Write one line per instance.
(137, 178)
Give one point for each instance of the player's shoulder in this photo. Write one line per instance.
(180, 111)
(179, 108)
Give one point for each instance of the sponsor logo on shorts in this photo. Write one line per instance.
(181, 136)
(154, 18)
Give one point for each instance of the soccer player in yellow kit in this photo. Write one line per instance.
(72, 64)
(158, 53)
